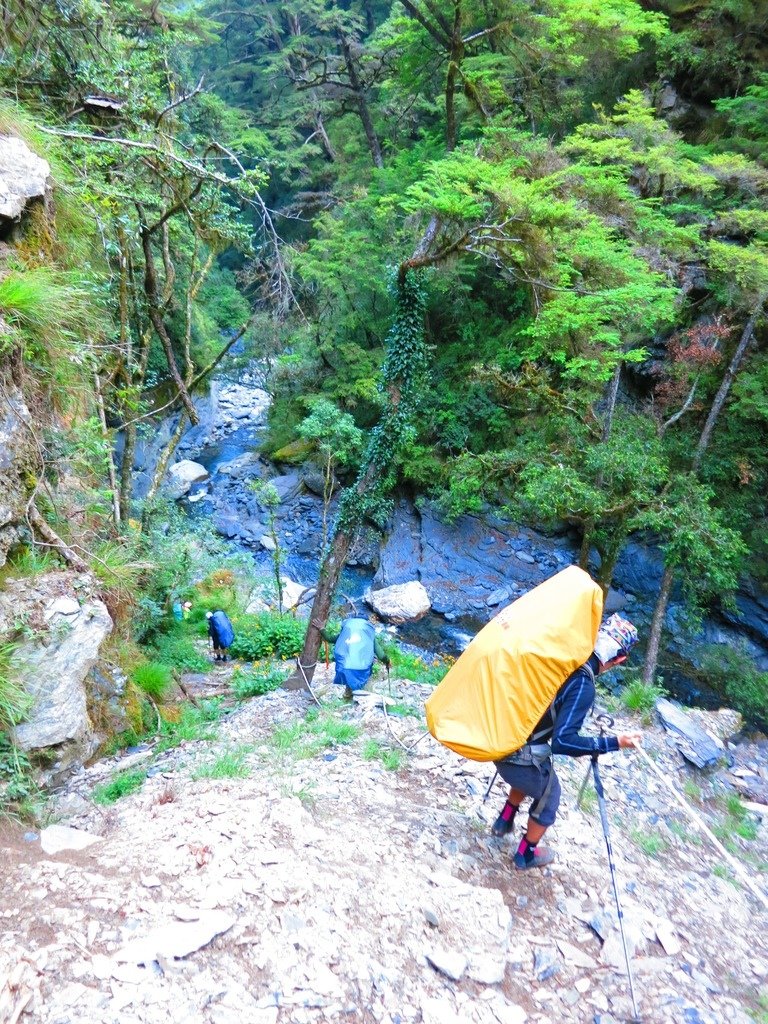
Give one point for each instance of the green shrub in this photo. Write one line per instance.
(390, 757)
(230, 764)
(650, 843)
(195, 723)
(14, 699)
(733, 673)
(120, 785)
(178, 649)
(318, 731)
(154, 678)
(641, 697)
(18, 788)
(410, 666)
(257, 682)
(268, 635)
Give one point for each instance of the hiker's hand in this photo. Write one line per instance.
(630, 739)
(317, 624)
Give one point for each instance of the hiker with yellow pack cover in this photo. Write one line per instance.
(522, 690)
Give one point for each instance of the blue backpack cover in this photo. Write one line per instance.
(223, 628)
(354, 648)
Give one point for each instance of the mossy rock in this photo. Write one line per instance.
(294, 453)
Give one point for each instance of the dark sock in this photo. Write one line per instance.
(527, 850)
(505, 821)
(509, 811)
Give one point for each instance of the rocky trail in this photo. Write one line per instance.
(312, 884)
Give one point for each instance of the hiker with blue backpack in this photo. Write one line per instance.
(530, 772)
(221, 633)
(355, 648)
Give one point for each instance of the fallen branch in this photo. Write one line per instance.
(49, 535)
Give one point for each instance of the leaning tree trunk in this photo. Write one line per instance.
(362, 103)
(659, 612)
(401, 373)
(657, 625)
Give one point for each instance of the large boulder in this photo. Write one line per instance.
(182, 475)
(402, 602)
(18, 462)
(68, 626)
(24, 176)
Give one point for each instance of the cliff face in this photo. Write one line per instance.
(55, 621)
(24, 187)
(18, 460)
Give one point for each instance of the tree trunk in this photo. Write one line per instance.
(110, 457)
(727, 382)
(330, 573)
(153, 309)
(454, 68)
(657, 625)
(166, 455)
(362, 104)
(53, 540)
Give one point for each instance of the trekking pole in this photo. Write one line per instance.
(605, 722)
(490, 786)
(606, 832)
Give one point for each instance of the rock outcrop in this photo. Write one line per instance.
(182, 475)
(24, 176)
(18, 459)
(63, 626)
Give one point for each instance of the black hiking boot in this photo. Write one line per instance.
(505, 821)
(529, 856)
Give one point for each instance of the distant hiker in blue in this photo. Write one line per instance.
(221, 633)
(354, 650)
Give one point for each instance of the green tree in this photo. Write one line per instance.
(338, 441)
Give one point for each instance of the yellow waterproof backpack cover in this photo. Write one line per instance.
(493, 697)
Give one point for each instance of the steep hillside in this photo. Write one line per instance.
(320, 886)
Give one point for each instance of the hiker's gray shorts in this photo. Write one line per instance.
(532, 779)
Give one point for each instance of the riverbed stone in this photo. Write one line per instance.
(182, 475)
(403, 602)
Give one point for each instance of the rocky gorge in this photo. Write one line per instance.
(467, 569)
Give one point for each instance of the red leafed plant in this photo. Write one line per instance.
(689, 352)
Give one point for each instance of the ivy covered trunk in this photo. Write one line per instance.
(369, 498)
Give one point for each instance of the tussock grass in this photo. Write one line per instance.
(121, 784)
(390, 757)
(640, 698)
(194, 723)
(229, 764)
(153, 678)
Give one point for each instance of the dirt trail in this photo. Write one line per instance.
(333, 889)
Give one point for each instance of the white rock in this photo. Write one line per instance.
(182, 475)
(56, 838)
(509, 1013)
(23, 176)
(62, 606)
(54, 674)
(665, 933)
(267, 543)
(448, 962)
(402, 602)
(439, 1011)
(574, 955)
(176, 940)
